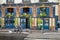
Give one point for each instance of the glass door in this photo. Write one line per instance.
(9, 22)
(25, 14)
(23, 23)
(46, 24)
(28, 23)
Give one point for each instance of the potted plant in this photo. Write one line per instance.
(42, 14)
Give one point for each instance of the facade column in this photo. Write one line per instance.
(3, 11)
(34, 22)
(17, 16)
(34, 11)
(3, 14)
(18, 11)
(52, 20)
(51, 11)
(52, 24)
(59, 12)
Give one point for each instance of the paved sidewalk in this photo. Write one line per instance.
(39, 39)
(38, 35)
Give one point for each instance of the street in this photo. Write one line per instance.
(31, 35)
(7, 34)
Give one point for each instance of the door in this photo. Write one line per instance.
(56, 24)
(46, 24)
(23, 23)
(9, 17)
(27, 23)
(9, 22)
(25, 14)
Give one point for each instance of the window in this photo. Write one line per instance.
(43, 0)
(26, 0)
(10, 10)
(26, 10)
(10, 1)
(43, 12)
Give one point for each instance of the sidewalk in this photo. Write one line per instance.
(39, 39)
(38, 35)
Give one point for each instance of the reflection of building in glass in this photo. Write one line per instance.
(29, 14)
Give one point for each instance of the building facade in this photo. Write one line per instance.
(30, 14)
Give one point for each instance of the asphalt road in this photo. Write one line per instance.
(12, 36)
(33, 35)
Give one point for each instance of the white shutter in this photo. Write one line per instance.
(53, 0)
(50, 0)
(2, 1)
